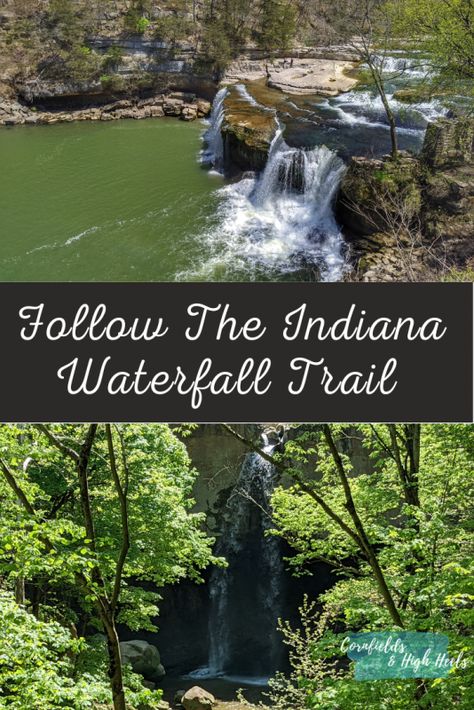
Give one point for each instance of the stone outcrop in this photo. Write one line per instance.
(449, 143)
(373, 191)
(13, 113)
(198, 699)
(248, 131)
(434, 195)
(219, 455)
(448, 190)
(324, 75)
(144, 659)
(184, 106)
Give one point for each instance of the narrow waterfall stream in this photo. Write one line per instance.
(213, 151)
(240, 599)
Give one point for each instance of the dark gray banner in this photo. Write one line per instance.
(236, 352)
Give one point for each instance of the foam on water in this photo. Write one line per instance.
(366, 108)
(409, 68)
(281, 221)
(248, 98)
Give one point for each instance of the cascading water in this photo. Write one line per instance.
(213, 153)
(280, 222)
(240, 599)
(365, 108)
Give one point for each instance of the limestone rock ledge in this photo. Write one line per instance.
(248, 131)
(185, 106)
(448, 209)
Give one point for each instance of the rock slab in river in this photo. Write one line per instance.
(197, 698)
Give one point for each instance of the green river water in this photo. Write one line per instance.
(94, 201)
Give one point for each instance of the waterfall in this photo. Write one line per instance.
(315, 174)
(213, 153)
(279, 222)
(238, 611)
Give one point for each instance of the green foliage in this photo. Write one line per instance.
(142, 25)
(136, 19)
(43, 667)
(43, 538)
(216, 46)
(278, 25)
(444, 29)
(464, 275)
(167, 541)
(424, 550)
(112, 59)
(113, 83)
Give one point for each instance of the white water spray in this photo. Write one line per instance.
(213, 153)
(280, 222)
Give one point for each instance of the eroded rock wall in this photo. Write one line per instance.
(413, 218)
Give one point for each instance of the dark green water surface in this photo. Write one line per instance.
(117, 201)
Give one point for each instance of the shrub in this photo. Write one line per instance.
(112, 83)
(142, 25)
(43, 667)
(112, 58)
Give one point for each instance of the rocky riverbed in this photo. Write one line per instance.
(326, 75)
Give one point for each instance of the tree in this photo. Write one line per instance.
(444, 28)
(396, 534)
(368, 27)
(277, 25)
(44, 666)
(90, 513)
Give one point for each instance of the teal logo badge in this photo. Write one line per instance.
(404, 654)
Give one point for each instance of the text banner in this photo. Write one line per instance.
(236, 352)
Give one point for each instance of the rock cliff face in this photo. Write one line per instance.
(449, 143)
(448, 205)
(218, 456)
(373, 189)
(415, 214)
(188, 611)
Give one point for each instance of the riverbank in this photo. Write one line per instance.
(185, 106)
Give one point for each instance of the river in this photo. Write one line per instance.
(133, 201)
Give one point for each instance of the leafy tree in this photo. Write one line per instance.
(88, 513)
(216, 46)
(398, 536)
(444, 28)
(277, 24)
(43, 666)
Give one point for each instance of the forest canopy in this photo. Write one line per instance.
(54, 35)
(97, 519)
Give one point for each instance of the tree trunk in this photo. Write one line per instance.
(378, 80)
(20, 591)
(115, 665)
